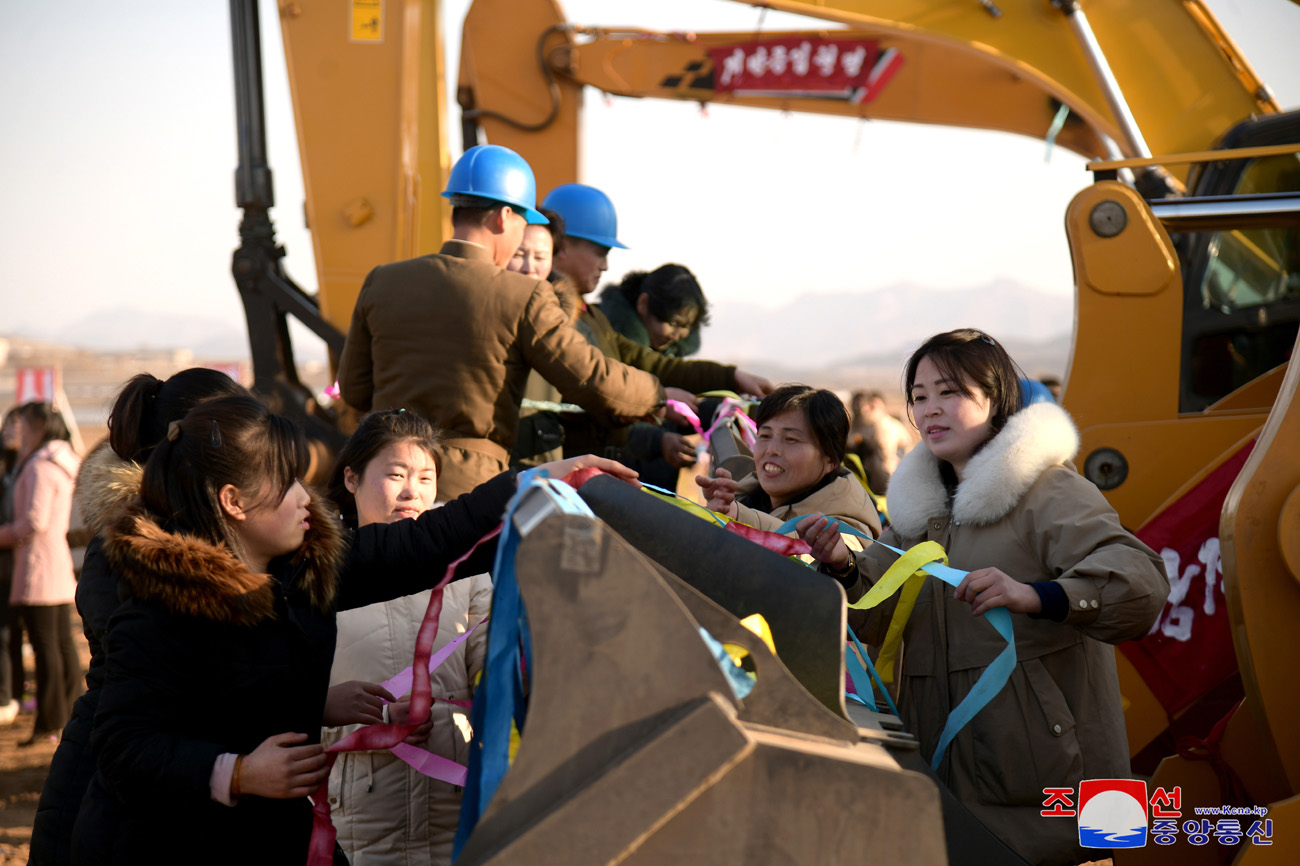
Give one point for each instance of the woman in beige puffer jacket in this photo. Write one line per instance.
(384, 811)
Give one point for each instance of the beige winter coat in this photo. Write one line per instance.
(1021, 508)
(384, 811)
(43, 572)
(843, 498)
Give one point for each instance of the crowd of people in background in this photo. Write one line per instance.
(239, 623)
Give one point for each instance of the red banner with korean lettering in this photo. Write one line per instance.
(852, 69)
(1189, 650)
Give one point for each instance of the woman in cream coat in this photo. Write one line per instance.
(386, 812)
(993, 484)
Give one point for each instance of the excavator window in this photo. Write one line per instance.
(1243, 294)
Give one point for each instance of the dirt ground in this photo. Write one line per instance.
(23, 769)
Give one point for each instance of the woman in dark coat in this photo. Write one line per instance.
(218, 661)
(108, 479)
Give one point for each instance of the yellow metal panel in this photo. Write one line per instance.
(940, 81)
(501, 72)
(370, 116)
(1184, 80)
(1258, 532)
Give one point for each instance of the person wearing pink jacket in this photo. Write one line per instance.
(43, 581)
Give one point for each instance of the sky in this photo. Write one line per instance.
(118, 155)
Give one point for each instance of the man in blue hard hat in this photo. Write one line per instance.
(590, 232)
(453, 335)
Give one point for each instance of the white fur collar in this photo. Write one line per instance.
(1035, 438)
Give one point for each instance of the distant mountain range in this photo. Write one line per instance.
(818, 338)
(125, 329)
(814, 331)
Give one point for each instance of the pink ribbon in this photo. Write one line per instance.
(686, 412)
(732, 408)
(401, 684)
(431, 765)
(373, 738)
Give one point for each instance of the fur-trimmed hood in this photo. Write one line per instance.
(197, 578)
(105, 485)
(997, 477)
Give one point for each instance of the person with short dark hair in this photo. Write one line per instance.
(992, 483)
(453, 335)
(663, 309)
(591, 226)
(43, 581)
(798, 452)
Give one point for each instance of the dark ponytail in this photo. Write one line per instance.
(147, 404)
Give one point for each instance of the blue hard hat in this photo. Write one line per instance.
(1033, 391)
(496, 173)
(588, 213)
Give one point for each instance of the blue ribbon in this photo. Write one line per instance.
(991, 681)
(500, 697)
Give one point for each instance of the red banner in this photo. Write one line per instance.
(1189, 650)
(851, 69)
(36, 384)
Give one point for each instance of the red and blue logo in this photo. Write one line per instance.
(1112, 813)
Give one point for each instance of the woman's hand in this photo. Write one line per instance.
(561, 468)
(684, 397)
(748, 383)
(720, 492)
(987, 588)
(677, 450)
(399, 713)
(355, 703)
(281, 770)
(823, 536)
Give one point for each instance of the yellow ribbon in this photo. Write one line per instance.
(905, 573)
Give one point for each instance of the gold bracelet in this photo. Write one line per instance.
(234, 778)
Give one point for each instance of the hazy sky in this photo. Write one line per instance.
(118, 155)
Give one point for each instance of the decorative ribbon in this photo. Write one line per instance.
(773, 541)
(686, 412)
(929, 557)
(500, 699)
(728, 409)
(1054, 129)
(994, 677)
(401, 683)
(387, 736)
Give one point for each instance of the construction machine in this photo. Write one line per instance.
(1186, 254)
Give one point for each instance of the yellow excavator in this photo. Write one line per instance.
(1186, 254)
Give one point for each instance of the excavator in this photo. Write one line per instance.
(1182, 374)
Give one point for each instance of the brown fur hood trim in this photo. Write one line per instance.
(106, 484)
(196, 578)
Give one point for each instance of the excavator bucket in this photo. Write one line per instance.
(636, 748)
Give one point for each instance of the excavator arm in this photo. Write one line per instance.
(1102, 79)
